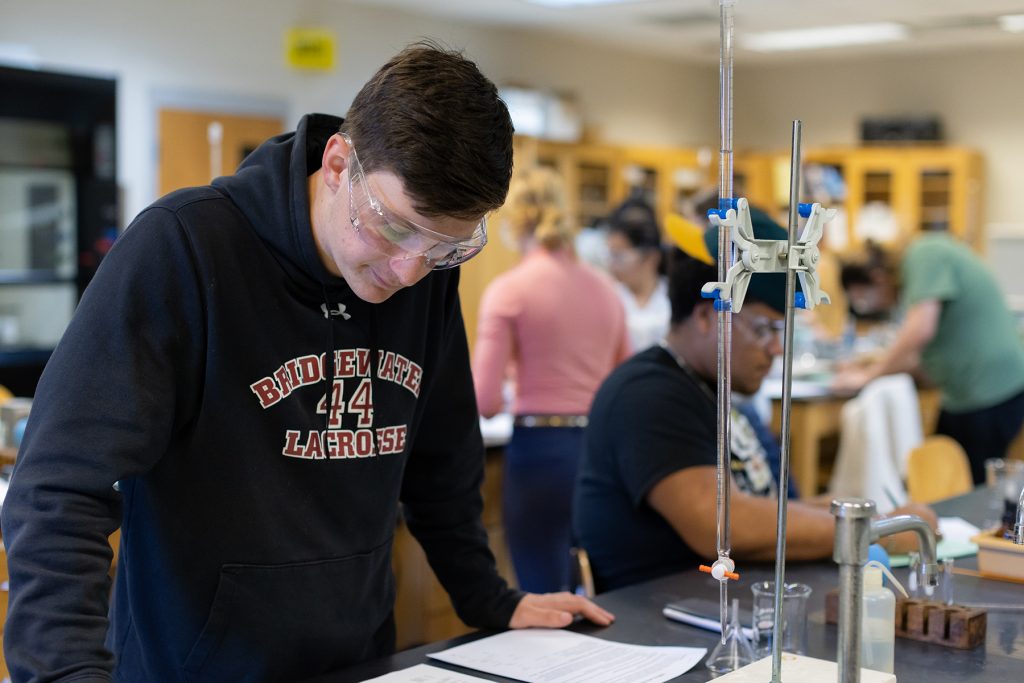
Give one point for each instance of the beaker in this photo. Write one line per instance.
(1003, 480)
(995, 476)
(794, 621)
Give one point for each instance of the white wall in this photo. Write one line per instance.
(231, 50)
(978, 96)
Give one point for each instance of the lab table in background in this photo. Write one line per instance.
(817, 414)
(639, 621)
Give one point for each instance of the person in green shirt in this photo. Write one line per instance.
(957, 329)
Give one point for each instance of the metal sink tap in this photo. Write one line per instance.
(855, 531)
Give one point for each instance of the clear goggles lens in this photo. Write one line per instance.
(397, 237)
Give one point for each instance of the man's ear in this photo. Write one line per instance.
(706, 317)
(335, 160)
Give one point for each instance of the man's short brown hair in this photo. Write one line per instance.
(433, 119)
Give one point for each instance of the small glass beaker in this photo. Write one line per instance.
(794, 621)
(995, 478)
(1004, 480)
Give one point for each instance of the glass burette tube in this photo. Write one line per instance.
(725, 261)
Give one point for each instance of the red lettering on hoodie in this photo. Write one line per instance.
(267, 392)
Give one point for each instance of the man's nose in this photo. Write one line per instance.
(775, 343)
(410, 270)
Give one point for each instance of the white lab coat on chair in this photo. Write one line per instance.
(879, 429)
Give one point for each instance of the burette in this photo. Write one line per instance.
(797, 258)
(724, 564)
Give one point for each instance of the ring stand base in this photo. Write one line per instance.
(799, 669)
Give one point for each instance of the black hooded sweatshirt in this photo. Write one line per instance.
(257, 509)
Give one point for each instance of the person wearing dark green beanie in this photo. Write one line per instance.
(645, 497)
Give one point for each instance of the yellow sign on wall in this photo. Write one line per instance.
(309, 48)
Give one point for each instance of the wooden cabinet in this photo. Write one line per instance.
(423, 613)
(926, 189)
(592, 176)
(667, 177)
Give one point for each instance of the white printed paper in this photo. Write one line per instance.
(424, 673)
(555, 656)
(957, 529)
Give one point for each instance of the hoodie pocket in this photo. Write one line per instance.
(293, 621)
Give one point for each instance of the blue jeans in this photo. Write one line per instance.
(540, 473)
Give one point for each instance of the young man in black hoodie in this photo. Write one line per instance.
(261, 371)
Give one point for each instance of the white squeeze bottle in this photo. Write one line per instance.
(878, 619)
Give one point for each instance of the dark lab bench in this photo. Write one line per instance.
(639, 621)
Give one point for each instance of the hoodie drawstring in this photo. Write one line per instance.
(374, 365)
(329, 375)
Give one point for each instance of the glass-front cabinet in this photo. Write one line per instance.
(58, 209)
(894, 194)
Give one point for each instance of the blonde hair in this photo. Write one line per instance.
(537, 206)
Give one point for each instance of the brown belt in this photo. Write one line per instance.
(550, 421)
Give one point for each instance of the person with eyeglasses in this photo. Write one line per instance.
(262, 371)
(555, 327)
(645, 501)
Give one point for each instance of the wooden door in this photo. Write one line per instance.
(196, 146)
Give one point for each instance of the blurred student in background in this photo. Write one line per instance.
(957, 328)
(645, 499)
(556, 326)
(636, 260)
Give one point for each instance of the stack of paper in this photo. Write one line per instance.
(555, 656)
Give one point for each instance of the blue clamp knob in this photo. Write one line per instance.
(722, 305)
(799, 300)
(723, 207)
(805, 210)
(713, 294)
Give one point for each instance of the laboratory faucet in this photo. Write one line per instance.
(1018, 528)
(855, 531)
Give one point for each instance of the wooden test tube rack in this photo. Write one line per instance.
(929, 621)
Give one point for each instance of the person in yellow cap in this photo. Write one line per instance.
(645, 497)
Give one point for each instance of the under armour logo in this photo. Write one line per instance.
(339, 311)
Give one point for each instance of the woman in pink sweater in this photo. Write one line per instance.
(556, 327)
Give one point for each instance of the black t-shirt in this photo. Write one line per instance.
(649, 419)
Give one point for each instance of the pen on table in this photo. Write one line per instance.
(892, 499)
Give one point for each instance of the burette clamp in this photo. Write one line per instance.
(755, 255)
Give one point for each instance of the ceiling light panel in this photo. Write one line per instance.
(824, 37)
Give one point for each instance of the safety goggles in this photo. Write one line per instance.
(380, 228)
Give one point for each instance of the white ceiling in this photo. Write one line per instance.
(688, 30)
